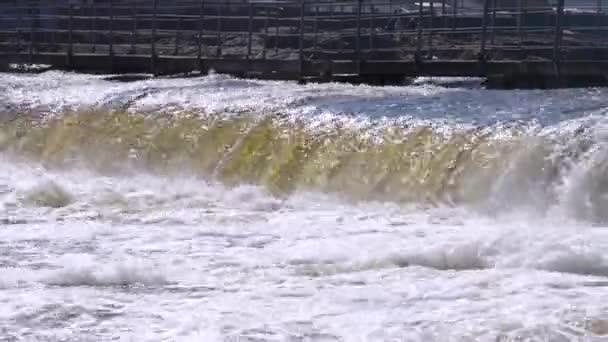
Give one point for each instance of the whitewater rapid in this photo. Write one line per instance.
(221, 209)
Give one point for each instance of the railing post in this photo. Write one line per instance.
(70, 31)
(524, 21)
(219, 30)
(276, 32)
(111, 38)
(134, 32)
(431, 22)
(598, 19)
(604, 33)
(19, 23)
(342, 27)
(454, 14)
(32, 36)
(94, 29)
(265, 34)
(153, 42)
(557, 44)
(315, 29)
(53, 36)
(548, 13)
(358, 43)
(201, 28)
(301, 39)
(371, 28)
(520, 19)
(393, 19)
(420, 25)
(444, 16)
(484, 29)
(177, 35)
(493, 35)
(250, 30)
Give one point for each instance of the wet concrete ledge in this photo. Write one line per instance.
(500, 74)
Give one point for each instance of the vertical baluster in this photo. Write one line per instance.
(94, 29)
(266, 14)
(598, 20)
(342, 29)
(276, 32)
(372, 29)
(219, 30)
(443, 12)
(454, 16)
(431, 23)
(301, 39)
(153, 42)
(19, 24)
(557, 43)
(358, 42)
(524, 20)
(420, 27)
(250, 30)
(134, 28)
(32, 35)
(484, 28)
(604, 22)
(70, 35)
(316, 30)
(493, 34)
(520, 19)
(178, 29)
(52, 36)
(201, 28)
(111, 38)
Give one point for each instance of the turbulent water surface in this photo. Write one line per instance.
(220, 209)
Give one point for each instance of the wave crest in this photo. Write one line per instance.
(498, 168)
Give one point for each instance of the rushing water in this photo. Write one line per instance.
(220, 209)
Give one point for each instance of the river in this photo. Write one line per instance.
(220, 209)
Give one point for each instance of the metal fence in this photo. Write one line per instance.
(308, 30)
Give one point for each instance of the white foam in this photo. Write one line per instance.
(462, 257)
(253, 197)
(12, 277)
(82, 270)
(237, 257)
(345, 267)
(47, 194)
(56, 91)
(569, 261)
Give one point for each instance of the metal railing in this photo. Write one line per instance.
(306, 30)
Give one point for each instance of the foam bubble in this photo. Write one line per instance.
(47, 194)
(460, 257)
(12, 277)
(568, 261)
(83, 270)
